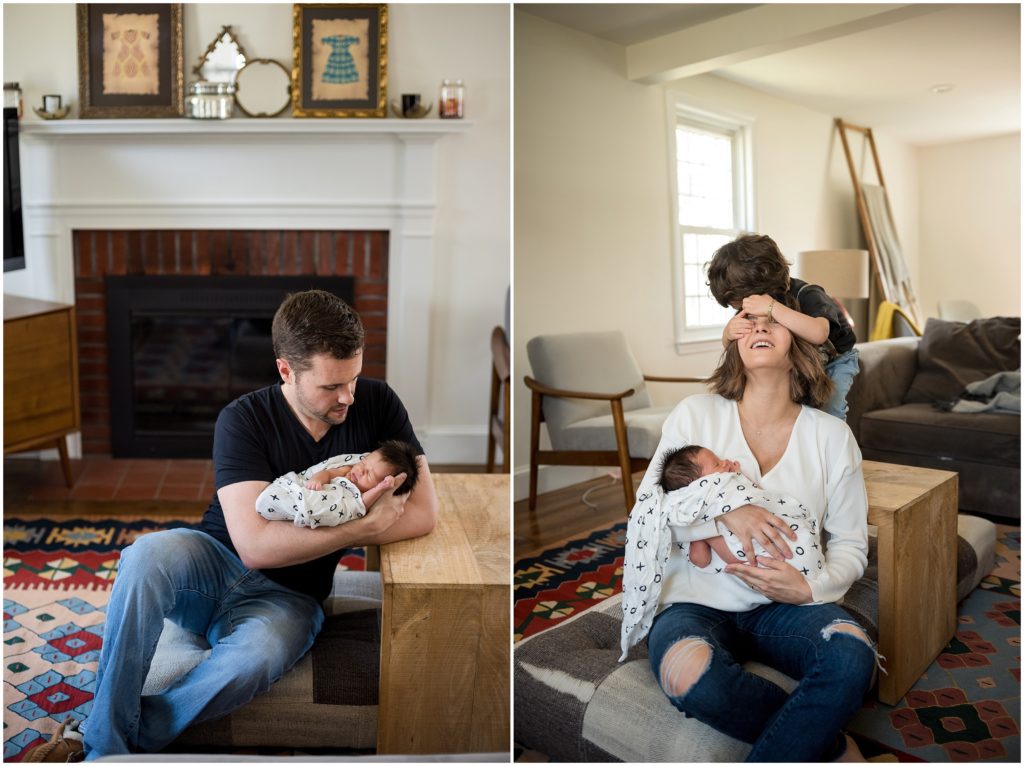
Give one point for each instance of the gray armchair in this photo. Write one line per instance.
(590, 391)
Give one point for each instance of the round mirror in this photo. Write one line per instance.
(223, 60)
(263, 88)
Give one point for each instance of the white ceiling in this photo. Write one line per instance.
(880, 77)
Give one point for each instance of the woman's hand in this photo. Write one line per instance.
(778, 580)
(751, 522)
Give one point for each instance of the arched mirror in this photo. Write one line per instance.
(223, 60)
(263, 88)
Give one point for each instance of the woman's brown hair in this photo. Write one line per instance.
(808, 382)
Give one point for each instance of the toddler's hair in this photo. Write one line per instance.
(749, 265)
(401, 456)
(679, 467)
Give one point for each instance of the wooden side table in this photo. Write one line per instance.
(915, 510)
(445, 637)
(40, 376)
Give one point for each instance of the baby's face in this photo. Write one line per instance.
(370, 471)
(710, 463)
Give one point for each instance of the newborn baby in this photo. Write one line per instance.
(340, 488)
(683, 467)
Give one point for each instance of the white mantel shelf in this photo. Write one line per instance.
(182, 126)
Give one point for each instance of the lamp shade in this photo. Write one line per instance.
(843, 273)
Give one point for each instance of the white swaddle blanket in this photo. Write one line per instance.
(287, 499)
(649, 539)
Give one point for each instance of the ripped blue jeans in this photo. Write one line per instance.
(833, 669)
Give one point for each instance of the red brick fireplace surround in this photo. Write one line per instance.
(362, 255)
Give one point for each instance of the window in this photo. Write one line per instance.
(711, 164)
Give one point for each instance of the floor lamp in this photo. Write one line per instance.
(845, 276)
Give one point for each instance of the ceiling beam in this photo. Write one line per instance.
(750, 34)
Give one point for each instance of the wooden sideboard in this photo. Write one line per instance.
(41, 404)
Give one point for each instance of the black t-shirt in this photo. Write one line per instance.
(815, 302)
(258, 438)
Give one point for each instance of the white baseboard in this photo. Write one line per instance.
(458, 446)
(552, 477)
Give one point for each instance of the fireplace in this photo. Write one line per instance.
(182, 347)
(174, 324)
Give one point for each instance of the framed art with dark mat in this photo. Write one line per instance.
(130, 61)
(339, 65)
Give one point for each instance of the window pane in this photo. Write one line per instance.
(704, 166)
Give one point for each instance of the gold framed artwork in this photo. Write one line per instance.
(339, 64)
(130, 61)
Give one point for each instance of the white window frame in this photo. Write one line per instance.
(679, 111)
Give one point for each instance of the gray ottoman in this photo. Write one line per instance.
(328, 700)
(575, 702)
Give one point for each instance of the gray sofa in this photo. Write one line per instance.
(894, 417)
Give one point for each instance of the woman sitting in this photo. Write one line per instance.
(762, 414)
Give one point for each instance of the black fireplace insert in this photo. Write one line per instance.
(182, 347)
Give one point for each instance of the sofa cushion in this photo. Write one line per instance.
(953, 354)
(921, 429)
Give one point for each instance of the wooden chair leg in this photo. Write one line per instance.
(625, 464)
(492, 411)
(65, 460)
(534, 447)
(506, 424)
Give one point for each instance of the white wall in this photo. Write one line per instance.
(592, 215)
(970, 214)
(427, 43)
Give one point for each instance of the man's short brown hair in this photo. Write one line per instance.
(808, 382)
(749, 265)
(315, 322)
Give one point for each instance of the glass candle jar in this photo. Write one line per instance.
(210, 100)
(451, 102)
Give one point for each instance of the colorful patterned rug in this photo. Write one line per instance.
(965, 708)
(57, 578)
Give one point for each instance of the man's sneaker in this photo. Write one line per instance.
(64, 747)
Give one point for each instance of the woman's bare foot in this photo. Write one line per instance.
(852, 754)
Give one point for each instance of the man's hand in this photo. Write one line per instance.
(777, 580)
(383, 508)
(751, 522)
(757, 305)
(738, 327)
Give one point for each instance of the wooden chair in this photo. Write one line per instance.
(501, 403)
(591, 393)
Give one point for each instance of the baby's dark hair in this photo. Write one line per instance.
(679, 468)
(749, 265)
(401, 456)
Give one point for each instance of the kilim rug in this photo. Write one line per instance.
(965, 708)
(57, 579)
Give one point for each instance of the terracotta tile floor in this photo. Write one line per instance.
(104, 478)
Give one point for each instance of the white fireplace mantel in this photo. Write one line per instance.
(244, 174)
(402, 129)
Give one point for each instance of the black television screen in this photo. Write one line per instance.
(14, 234)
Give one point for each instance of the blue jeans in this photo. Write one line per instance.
(257, 629)
(843, 369)
(834, 670)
